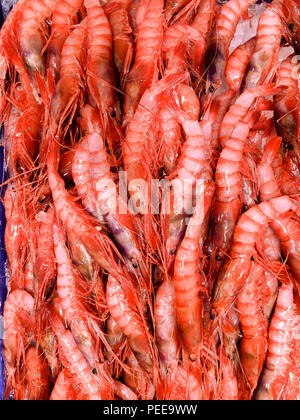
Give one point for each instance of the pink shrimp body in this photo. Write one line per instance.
(237, 64)
(181, 385)
(123, 392)
(80, 372)
(130, 323)
(268, 185)
(173, 7)
(275, 373)
(253, 346)
(148, 51)
(165, 323)
(205, 17)
(45, 267)
(248, 231)
(101, 71)
(264, 60)
(229, 386)
(30, 34)
(62, 19)
(18, 308)
(63, 389)
(188, 281)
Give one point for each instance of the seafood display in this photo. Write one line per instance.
(152, 204)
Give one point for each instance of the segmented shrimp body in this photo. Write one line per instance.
(18, 310)
(173, 7)
(188, 281)
(148, 53)
(228, 385)
(275, 374)
(101, 71)
(64, 15)
(218, 50)
(30, 32)
(130, 322)
(36, 384)
(122, 36)
(63, 389)
(205, 17)
(248, 231)
(72, 359)
(237, 64)
(253, 345)
(45, 266)
(264, 61)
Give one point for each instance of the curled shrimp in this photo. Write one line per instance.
(81, 375)
(275, 374)
(253, 345)
(218, 50)
(131, 323)
(64, 15)
(148, 53)
(188, 282)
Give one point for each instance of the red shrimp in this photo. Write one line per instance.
(63, 389)
(205, 17)
(240, 108)
(18, 312)
(192, 165)
(264, 61)
(165, 324)
(45, 266)
(188, 282)
(75, 219)
(131, 323)
(181, 385)
(237, 64)
(148, 53)
(80, 257)
(30, 33)
(248, 231)
(101, 73)
(136, 379)
(275, 374)
(229, 194)
(69, 88)
(253, 345)
(36, 384)
(172, 7)
(118, 17)
(64, 15)
(228, 385)
(81, 375)
(218, 50)
(136, 148)
(123, 392)
(91, 164)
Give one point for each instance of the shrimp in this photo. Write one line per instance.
(247, 234)
(45, 266)
(188, 282)
(192, 165)
(136, 379)
(218, 50)
(81, 375)
(69, 88)
(123, 392)
(80, 257)
(136, 147)
(63, 17)
(30, 34)
(131, 323)
(229, 194)
(63, 389)
(237, 64)
(75, 219)
(148, 53)
(37, 379)
(240, 108)
(69, 287)
(173, 7)
(253, 345)
(205, 17)
(90, 163)
(228, 384)
(275, 374)
(18, 312)
(181, 385)
(165, 323)
(122, 36)
(101, 73)
(264, 61)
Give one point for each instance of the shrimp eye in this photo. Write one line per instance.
(211, 89)
(95, 371)
(291, 26)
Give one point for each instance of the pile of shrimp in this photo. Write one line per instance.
(114, 292)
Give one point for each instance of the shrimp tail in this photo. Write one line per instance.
(271, 151)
